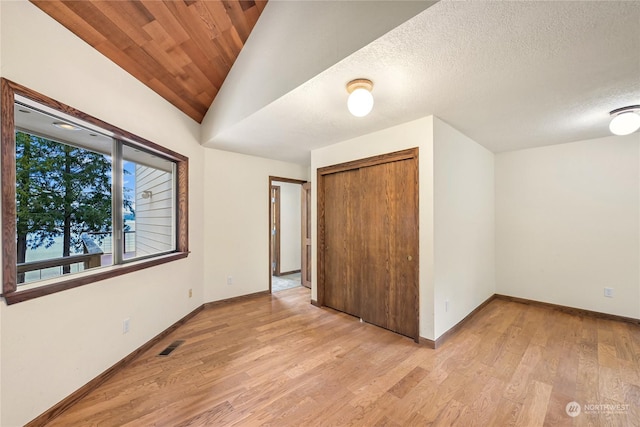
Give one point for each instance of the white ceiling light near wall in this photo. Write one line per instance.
(65, 126)
(360, 102)
(625, 121)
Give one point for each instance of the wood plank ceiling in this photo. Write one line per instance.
(181, 49)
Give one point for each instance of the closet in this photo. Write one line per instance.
(368, 240)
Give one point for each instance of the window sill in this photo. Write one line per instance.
(39, 291)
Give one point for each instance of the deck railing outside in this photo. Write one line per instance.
(105, 241)
(91, 258)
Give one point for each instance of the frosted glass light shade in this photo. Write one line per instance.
(360, 102)
(625, 123)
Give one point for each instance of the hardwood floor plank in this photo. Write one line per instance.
(480, 374)
(506, 365)
(480, 411)
(208, 417)
(451, 413)
(632, 398)
(611, 384)
(556, 410)
(506, 413)
(277, 360)
(567, 373)
(386, 422)
(536, 402)
(409, 381)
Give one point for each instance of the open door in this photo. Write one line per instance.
(306, 235)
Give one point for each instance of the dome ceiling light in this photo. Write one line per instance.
(625, 120)
(360, 102)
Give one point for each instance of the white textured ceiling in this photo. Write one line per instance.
(510, 75)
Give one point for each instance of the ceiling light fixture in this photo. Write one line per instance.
(625, 120)
(360, 100)
(65, 126)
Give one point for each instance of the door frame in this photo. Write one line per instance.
(411, 153)
(305, 235)
(274, 223)
(271, 180)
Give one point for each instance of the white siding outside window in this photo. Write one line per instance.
(154, 224)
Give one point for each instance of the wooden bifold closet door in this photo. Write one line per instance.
(368, 238)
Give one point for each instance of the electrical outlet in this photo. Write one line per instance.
(229, 280)
(125, 325)
(608, 292)
(190, 293)
(446, 305)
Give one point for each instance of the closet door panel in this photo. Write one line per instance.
(403, 248)
(343, 242)
(389, 288)
(375, 250)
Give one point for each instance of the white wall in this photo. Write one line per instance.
(236, 232)
(418, 133)
(464, 225)
(568, 224)
(290, 226)
(53, 345)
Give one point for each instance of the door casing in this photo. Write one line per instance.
(305, 273)
(274, 222)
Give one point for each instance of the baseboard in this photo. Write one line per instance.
(314, 303)
(213, 304)
(427, 342)
(67, 402)
(455, 328)
(569, 310)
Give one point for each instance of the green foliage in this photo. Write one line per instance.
(59, 185)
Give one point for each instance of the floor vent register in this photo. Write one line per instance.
(167, 351)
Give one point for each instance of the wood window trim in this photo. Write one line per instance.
(10, 292)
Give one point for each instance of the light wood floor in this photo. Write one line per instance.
(277, 360)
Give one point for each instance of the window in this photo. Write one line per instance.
(79, 195)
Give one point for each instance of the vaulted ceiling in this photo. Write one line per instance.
(509, 75)
(181, 49)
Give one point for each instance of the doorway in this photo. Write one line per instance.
(288, 211)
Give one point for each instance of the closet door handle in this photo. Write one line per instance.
(409, 258)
